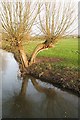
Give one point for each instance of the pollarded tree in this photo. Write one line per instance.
(17, 19)
(55, 22)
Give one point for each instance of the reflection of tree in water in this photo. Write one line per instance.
(24, 86)
(51, 105)
(24, 106)
(48, 91)
(48, 106)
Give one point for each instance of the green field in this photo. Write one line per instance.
(66, 49)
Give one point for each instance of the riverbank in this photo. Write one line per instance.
(65, 78)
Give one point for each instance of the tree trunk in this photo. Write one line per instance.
(24, 58)
(39, 48)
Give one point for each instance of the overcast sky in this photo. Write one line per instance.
(75, 2)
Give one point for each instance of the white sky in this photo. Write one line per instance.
(75, 2)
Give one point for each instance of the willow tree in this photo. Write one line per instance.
(17, 18)
(58, 20)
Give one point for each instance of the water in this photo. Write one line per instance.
(41, 100)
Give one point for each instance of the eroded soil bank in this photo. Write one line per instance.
(65, 78)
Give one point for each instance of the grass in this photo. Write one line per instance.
(66, 49)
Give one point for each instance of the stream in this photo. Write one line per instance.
(42, 100)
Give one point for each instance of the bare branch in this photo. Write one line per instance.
(59, 17)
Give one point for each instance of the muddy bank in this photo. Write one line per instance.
(47, 59)
(63, 77)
